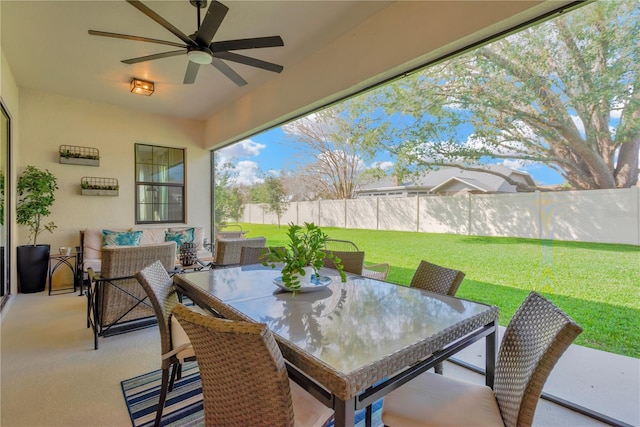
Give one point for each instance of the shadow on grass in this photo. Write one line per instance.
(486, 240)
(604, 325)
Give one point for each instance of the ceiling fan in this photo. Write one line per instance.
(199, 47)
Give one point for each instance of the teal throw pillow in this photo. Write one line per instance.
(179, 237)
(121, 238)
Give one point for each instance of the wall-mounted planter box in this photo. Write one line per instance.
(95, 186)
(99, 192)
(82, 162)
(75, 155)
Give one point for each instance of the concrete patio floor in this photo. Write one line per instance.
(46, 346)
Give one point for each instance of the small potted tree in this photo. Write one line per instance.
(303, 256)
(36, 194)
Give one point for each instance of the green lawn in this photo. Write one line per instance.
(597, 284)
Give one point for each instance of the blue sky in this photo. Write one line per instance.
(273, 150)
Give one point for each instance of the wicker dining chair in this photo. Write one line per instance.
(174, 343)
(437, 279)
(227, 251)
(536, 337)
(253, 255)
(250, 256)
(244, 376)
(375, 271)
(352, 262)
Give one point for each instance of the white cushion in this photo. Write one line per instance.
(152, 236)
(307, 410)
(178, 338)
(94, 263)
(92, 242)
(436, 400)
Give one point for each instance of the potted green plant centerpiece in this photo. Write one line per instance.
(303, 256)
(36, 190)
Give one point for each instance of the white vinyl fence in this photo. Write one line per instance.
(605, 216)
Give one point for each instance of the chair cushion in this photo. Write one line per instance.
(307, 410)
(179, 337)
(436, 400)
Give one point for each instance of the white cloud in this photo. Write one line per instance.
(246, 173)
(244, 148)
(516, 164)
(385, 166)
(507, 143)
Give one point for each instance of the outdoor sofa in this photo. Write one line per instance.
(94, 239)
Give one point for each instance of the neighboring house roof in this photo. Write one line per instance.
(453, 183)
(449, 179)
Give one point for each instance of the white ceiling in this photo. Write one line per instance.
(48, 48)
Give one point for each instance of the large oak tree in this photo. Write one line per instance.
(565, 93)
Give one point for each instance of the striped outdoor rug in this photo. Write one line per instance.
(184, 404)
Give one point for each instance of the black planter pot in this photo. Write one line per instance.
(33, 266)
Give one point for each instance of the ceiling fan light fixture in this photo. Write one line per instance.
(198, 56)
(141, 87)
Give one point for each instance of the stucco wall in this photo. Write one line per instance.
(308, 212)
(605, 216)
(48, 121)
(514, 215)
(332, 213)
(602, 215)
(444, 215)
(361, 213)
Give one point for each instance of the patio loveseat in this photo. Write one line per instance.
(94, 239)
(116, 302)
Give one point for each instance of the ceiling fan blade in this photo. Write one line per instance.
(227, 71)
(230, 56)
(156, 56)
(211, 23)
(252, 43)
(192, 72)
(160, 20)
(135, 38)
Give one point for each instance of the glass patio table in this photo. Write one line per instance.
(348, 344)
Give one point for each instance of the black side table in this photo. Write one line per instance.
(70, 261)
